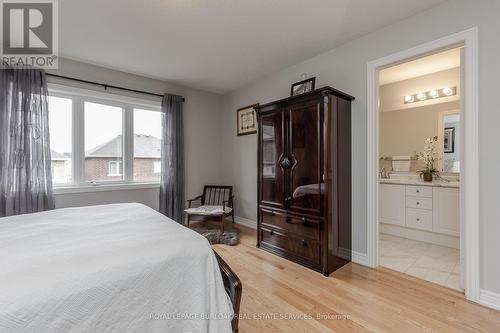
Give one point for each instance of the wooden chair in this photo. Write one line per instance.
(216, 204)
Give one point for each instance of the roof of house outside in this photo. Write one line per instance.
(145, 146)
(54, 155)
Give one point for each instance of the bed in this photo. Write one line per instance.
(111, 268)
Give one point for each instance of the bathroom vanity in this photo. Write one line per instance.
(413, 209)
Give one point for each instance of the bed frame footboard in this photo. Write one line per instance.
(233, 287)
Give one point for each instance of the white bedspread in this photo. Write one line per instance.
(111, 268)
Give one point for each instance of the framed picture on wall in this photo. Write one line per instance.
(246, 120)
(449, 140)
(302, 87)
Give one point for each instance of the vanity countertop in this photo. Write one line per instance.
(419, 182)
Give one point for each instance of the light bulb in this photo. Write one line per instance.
(421, 97)
(434, 93)
(409, 99)
(447, 91)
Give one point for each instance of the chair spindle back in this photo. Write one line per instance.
(215, 195)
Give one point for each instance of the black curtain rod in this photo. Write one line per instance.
(106, 86)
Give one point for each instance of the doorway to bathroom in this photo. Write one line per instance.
(422, 153)
(419, 168)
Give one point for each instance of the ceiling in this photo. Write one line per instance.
(421, 66)
(217, 45)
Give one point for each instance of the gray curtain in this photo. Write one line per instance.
(172, 159)
(25, 175)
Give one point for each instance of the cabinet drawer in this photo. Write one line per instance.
(419, 191)
(301, 247)
(419, 219)
(305, 227)
(419, 202)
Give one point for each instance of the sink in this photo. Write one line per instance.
(389, 180)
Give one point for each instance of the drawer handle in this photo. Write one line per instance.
(418, 220)
(271, 232)
(418, 203)
(304, 220)
(304, 243)
(418, 191)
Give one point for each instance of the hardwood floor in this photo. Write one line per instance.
(352, 299)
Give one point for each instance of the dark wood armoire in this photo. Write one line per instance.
(304, 179)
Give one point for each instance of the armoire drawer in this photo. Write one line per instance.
(301, 247)
(305, 227)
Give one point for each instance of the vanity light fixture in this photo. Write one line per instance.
(432, 94)
(409, 99)
(448, 91)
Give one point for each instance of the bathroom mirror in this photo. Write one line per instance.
(449, 141)
(402, 136)
(416, 106)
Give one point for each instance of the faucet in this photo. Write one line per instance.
(383, 174)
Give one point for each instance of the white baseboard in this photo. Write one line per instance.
(360, 258)
(489, 299)
(420, 235)
(245, 222)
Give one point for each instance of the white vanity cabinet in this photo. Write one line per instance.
(391, 204)
(446, 212)
(433, 209)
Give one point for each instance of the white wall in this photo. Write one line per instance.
(202, 111)
(146, 196)
(345, 68)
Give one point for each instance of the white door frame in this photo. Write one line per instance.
(469, 170)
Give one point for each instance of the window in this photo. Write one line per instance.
(115, 168)
(103, 141)
(157, 167)
(99, 138)
(60, 129)
(147, 145)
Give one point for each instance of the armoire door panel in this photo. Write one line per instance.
(271, 171)
(305, 150)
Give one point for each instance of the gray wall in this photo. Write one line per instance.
(345, 68)
(201, 126)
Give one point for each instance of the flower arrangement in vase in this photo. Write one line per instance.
(429, 157)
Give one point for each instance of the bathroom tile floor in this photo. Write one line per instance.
(426, 261)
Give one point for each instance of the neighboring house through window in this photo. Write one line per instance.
(104, 162)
